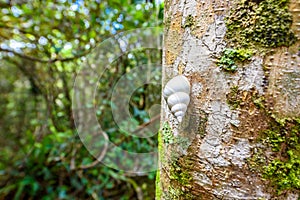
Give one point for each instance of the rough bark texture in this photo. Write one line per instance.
(218, 151)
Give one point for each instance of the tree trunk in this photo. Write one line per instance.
(240, 137)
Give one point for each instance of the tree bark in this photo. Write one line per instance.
(219, 150)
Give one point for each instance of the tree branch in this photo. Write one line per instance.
(35, 59)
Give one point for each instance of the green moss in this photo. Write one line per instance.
(189, 21)
(233, 97)
(264, 23)
(257, 26)
(284, 139)
(158, 190)
(180, 175)
(282, 167)
(175, 194)
(230, 58)
(259, 101)
(179, 169)
(236, 98)
(181, 179)
(160, 143)
(257, 160)
(167, 135)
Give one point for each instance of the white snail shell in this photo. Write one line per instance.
(177, 94)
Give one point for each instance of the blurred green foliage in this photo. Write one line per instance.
(42, 45)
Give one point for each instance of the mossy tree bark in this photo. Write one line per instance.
(240, 137)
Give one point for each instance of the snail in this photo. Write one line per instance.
(176, 93)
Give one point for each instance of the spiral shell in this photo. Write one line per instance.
(176, 93)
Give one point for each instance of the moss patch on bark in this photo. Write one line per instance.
(181, 178)
(189, 21)
(283, 138)
(231, 57)
(263, 23)
(167, 135)
(280, 137)
(255, 27)
(158, 189)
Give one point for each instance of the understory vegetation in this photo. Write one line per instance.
(43, 45)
